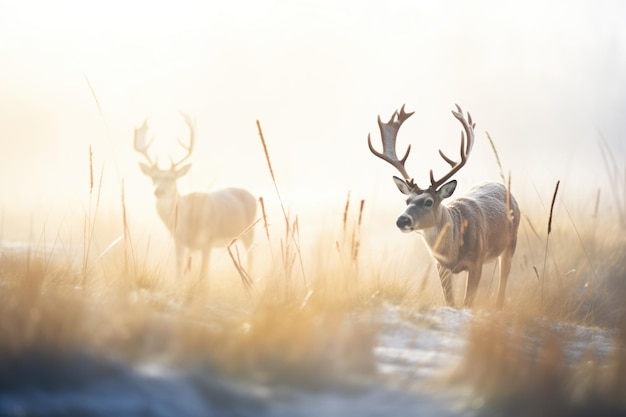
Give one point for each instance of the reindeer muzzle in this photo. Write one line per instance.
(405, 223)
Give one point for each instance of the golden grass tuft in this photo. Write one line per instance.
(44, 310)
(517, 364)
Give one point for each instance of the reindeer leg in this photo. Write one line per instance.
(473, 279)
(181, 260)
(445, 275)
(505, 268)
(206, 257)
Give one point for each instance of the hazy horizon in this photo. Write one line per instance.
(544, 79)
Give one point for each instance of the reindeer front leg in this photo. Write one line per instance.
(473, 279)
(505, 268)
(445, 275)
(181, 260)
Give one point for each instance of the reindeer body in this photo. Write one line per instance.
(197, 221)
(200, 220)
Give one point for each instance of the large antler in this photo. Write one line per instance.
(466, 148)
(388, 134)
(189, 147)
(140, 142)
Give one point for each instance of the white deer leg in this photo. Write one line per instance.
(204, 266)
(445, 275)
(181, 260)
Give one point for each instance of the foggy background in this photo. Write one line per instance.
(545, 79)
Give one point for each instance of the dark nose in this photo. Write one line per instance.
(403, 222)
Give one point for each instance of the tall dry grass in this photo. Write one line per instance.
(290, 328)
(296, 326)
(50, 311)
(616, 173)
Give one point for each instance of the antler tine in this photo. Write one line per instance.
(388, 134)
(466, 148)
(140, 141)
(189, 148)
(468, 126)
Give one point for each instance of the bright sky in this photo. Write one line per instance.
(544, 78)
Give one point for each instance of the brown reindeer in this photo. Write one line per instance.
(468, 231)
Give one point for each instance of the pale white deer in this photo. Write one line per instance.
(466, 232)
(197, 221)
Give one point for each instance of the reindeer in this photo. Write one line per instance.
(197, 221)
(468, 231)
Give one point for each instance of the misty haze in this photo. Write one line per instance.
(314, 297)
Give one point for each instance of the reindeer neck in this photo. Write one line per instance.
(166, 207)
(441, 238)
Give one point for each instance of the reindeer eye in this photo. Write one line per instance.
(428, 203)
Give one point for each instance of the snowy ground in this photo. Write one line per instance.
(415, 353)
(411, 351)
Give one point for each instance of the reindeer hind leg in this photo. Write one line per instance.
(505, 268)
(182, 263)
(206, 258)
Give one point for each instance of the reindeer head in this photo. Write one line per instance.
(423, 204)
(164, 180)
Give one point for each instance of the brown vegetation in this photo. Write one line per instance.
(296, 327)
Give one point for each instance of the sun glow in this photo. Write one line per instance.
(79, 75)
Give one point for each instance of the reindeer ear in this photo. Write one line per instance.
(182, 171)
(402, 186)
(447, 189)
(145, 168)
